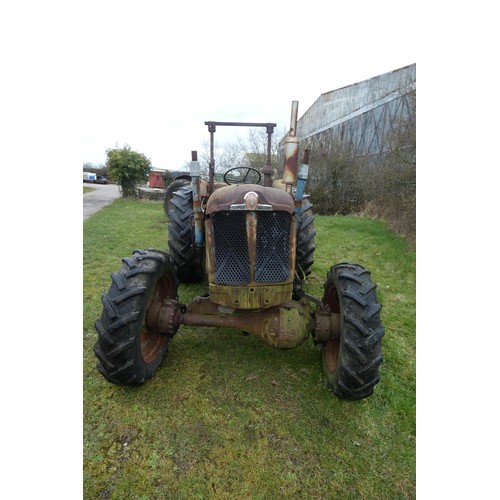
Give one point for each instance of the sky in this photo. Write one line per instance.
(154, 72)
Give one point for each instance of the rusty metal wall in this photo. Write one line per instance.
(359, 115)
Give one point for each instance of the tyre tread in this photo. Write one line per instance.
(187, 260)
(361, 354)
(117, 327)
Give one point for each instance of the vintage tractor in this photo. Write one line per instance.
(252, 239)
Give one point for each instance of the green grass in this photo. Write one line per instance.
(226, 416)
(87, 189)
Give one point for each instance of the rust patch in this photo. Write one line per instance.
(222, 199)
(332, 355)
(282, 327)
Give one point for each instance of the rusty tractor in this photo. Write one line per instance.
(251, 238)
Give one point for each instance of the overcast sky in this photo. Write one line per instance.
(154, 72)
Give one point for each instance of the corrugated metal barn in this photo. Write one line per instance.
(360, 116)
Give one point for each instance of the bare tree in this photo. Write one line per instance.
(391, 192)
(402, 141)
(251, 152)
(334, 182)
(98, 169)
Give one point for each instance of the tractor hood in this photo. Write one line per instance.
(250, 197)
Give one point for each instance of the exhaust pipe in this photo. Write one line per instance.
(291, 147)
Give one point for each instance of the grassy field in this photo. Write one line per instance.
(226, 416)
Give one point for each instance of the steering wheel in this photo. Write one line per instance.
(244, 175)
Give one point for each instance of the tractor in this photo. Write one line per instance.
(250, 239)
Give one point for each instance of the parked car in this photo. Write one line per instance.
(101, 179)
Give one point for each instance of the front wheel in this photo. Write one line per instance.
(130, 346)
(352, 359)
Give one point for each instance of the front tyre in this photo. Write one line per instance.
(130, 348)
(351, 362)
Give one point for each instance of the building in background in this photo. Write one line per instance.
(360, 116)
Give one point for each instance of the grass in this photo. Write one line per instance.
(226, 416)
(87, 189)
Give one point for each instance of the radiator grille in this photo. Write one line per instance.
(232, 265)
(273, 247)
(231, 250)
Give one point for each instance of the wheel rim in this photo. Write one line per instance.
(332, 347)
(152, 340)
(332, 355)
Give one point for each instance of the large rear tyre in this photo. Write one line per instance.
(129, 347)
(351, 362)
(305, 246)
(173, 186)
(189, 261)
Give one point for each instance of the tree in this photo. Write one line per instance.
(397, 193)
(250, 152)
(128, 168)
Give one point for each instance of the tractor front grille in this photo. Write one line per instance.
(231, 248)
(273, 247)
(231, 252)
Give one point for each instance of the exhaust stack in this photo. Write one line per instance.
(291, 148)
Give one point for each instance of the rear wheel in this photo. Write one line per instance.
(351, 362)
(305, 246)
(129, 347)
(176, 184)
(187, 259)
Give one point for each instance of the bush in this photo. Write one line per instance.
(341, 185)
(128, 168)
(382, 186)
(391, 195)
(335, 183)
